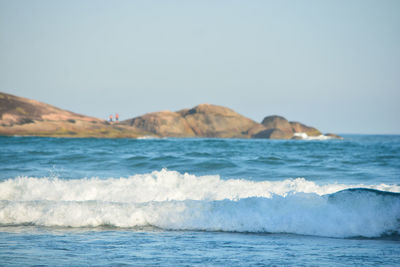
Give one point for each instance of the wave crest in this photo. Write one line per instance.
(162, 185)
(171, 200)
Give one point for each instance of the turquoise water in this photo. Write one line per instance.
(200, 201)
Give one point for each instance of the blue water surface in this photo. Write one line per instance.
(358, 159)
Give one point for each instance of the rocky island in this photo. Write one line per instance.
(25, 117)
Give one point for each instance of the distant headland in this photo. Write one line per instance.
(25, 117)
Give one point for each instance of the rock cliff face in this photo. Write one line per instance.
(22, 116)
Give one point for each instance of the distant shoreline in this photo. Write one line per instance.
(25, 117)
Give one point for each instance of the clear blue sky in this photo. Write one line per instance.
(331, 64)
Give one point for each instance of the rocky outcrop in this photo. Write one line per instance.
(204, 120)
(298, 127)
(215, 121)
(207, 120)
(19, 110)
(273, 134)
(276, 127)
(163, 123)
(22, 116)
(277, 122)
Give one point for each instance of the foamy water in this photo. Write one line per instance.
(171, 200)
(163, 185)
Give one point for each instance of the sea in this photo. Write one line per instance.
(200, 202)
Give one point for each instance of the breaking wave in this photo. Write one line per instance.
(175, 201)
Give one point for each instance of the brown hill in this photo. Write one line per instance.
(204, 120)
(163, 124)
(207, 120)
(215, 121)
(22, 116)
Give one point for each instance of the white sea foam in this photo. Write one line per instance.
(148, 137)
(162, 185)
(171, 200)
(305, 136)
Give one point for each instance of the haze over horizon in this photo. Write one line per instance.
(332, 65)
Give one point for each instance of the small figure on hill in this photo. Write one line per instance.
(111, 118)
(116, 117)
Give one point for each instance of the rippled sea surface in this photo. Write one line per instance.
(212, 202)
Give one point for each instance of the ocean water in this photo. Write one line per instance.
(207, 202)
